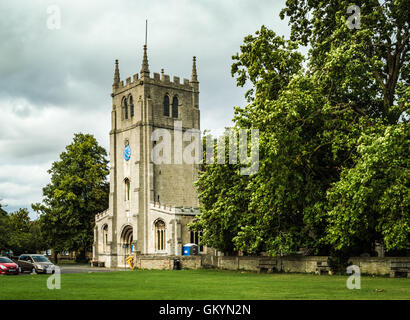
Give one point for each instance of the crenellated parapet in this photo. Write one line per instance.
(102, 215)
(157, 79)
(156, 206)
(163, 80)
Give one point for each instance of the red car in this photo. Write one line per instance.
(7, 266)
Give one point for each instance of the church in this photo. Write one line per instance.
(150, 203)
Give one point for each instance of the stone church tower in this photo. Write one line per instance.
(150, 203)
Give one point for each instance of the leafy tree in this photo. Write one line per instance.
(4, 230)
(362, 68)
(221, 220)
(19, 234)
(38, 239)
(77, 192)
(372, 199)
(268, 61)
(2, 211)
(19, 226)
(312, 125)
(365, 71)
(24, 234)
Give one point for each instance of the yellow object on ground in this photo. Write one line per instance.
(130, 261)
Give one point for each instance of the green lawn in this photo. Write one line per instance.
(200, 284)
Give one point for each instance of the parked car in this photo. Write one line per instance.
(35, 263)
(7, 266)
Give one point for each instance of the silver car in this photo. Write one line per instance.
(35, 263)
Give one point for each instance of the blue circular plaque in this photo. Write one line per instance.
(127, 153)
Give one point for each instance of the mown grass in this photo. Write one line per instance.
(200, 284)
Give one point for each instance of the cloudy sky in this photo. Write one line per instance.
(56, 82)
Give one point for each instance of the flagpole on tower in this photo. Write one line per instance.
(146, 31)
(145, 69)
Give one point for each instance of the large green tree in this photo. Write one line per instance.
(20, 234)
(364, 63)
(77, 192)
(312, 123)
(221, 220)
(372, 200)
(4, 230)
(24, 234)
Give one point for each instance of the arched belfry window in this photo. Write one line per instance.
(125, 108)
(175, 107)
(166, 106)
(127, 189)
(131, 103)
(160, 235)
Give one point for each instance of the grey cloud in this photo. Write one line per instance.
(54, 83)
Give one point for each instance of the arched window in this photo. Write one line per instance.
(127, 189)
(105, 238)
(166, 106)
(131, 103)
(125, 108)
(160, 235)
(175, 107)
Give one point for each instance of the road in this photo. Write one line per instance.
(80, 268)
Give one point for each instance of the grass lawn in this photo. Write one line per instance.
(200, 284)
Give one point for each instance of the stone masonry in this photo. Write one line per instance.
(150, 204)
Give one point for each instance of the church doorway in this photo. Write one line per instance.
(126, 240)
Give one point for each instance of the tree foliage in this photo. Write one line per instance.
(19, 234)
(77, 192)
(24, 234)
(333, 172)
(4, 230)
(364, 67)
(372, 199)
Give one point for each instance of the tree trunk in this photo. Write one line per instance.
(55, 256)
(81, 256)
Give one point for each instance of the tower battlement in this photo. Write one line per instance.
(161, 80)
(157, 79)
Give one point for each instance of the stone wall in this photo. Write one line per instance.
(287, 264)
(302, 264)
(167, 262)
(299, 264)
(379, 266)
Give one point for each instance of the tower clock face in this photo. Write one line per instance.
(127, 153)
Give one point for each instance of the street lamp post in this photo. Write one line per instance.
(125, 246)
